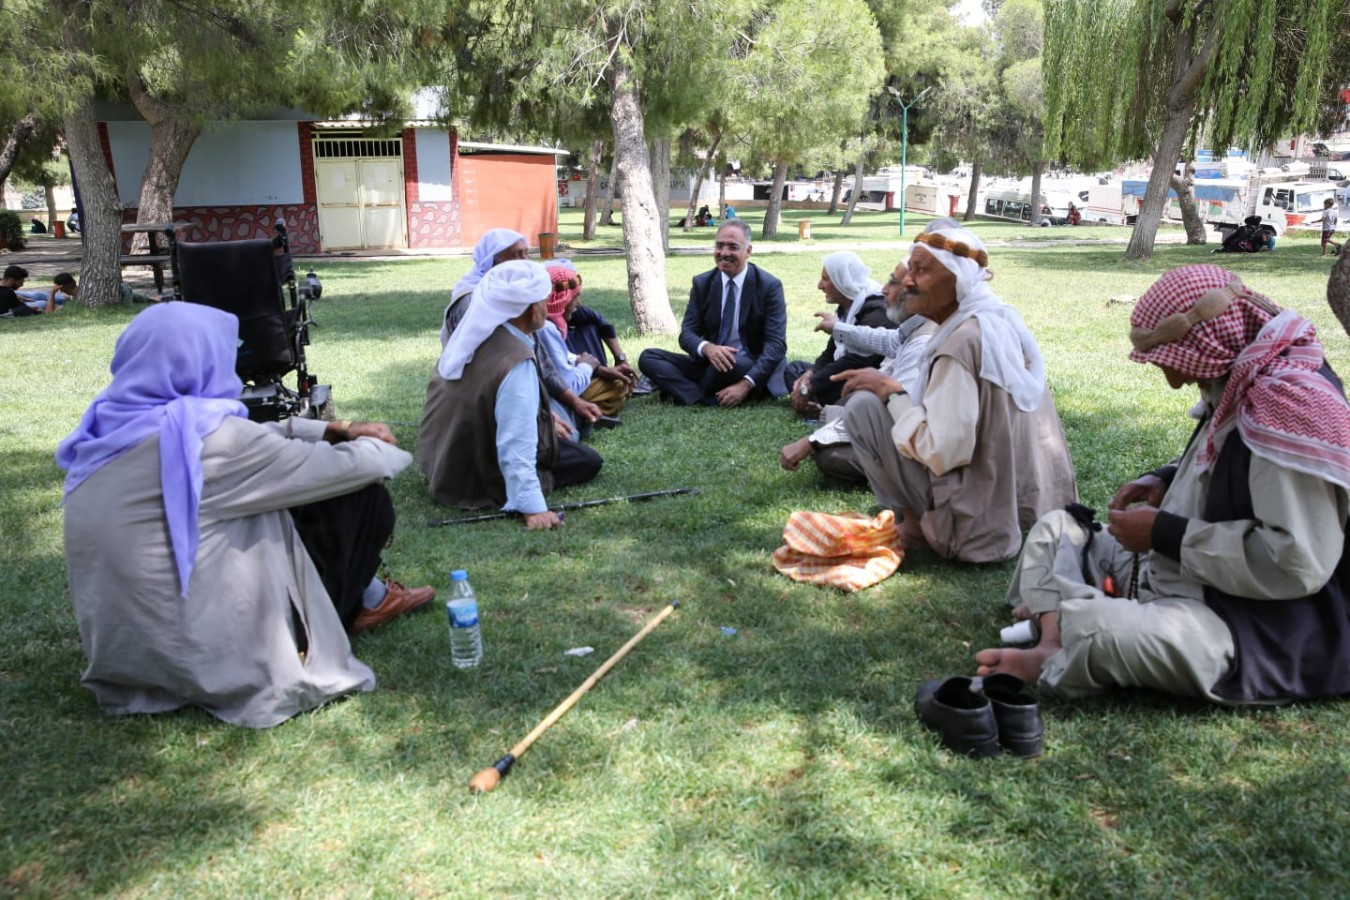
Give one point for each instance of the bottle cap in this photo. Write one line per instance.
(1018, 633)
(459, 575)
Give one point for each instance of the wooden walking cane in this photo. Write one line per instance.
(490, 777)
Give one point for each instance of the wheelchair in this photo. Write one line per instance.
(255, 280)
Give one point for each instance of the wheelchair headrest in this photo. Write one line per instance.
(236, 276)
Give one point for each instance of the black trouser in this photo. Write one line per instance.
(687, 380)
(576, 464)
(345, 536)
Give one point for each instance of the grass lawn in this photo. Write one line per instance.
(782, 760)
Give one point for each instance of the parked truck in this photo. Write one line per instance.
(1281, 200)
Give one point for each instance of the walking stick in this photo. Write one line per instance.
(489, 778)
(630, 498)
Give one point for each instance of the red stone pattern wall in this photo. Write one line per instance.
(240, 223)
(311, 187)
(433, 224)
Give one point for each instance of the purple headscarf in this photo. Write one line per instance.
(173, 376)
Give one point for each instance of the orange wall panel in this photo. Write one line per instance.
(503, 190)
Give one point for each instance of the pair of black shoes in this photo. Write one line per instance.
(979, 719)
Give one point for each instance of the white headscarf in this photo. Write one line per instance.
(852, 278)
(505, 292)
(484, 252)
(1010, 357)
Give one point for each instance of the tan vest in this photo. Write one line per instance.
(457, 441)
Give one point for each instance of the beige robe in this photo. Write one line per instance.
(995, 469)
(229, 646)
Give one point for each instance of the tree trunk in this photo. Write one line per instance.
(1187, 75)
(1338, 289)
(697, 189)
(1190, 214)
(973, 200)
(641, 217)
(49, 193)
(607, 217)
(9, 150)
(592, 183)
(836, 193)
(1037, 169)
(101, 268)
(856, 192)
(171, 139)
(722, 188)
(659, 155)
(775, 207)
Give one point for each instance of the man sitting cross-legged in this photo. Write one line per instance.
(902, 348)
(972, 451)
(1223, 575)
(488, 437)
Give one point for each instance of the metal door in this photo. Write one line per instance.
(360, 193)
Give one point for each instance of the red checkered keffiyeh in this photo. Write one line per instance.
(566, 286)
(1284, 410)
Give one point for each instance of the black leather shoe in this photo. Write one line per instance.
(963, 719)
(1021, 730)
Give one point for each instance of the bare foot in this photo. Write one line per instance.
(911, 533)
(1025, 664)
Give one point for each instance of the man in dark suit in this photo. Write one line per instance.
(734, 333)
(846, 282)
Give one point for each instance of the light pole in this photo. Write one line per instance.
(904, 144)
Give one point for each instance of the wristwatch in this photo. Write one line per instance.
(621, 357)
(805, 389)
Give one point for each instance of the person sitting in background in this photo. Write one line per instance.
(608, 387)
(846, 282)
(590, 332)
(902, 347)
(12, 305)
(64, 287)
(499, 245)
(971, 452)
(214, 561)
(1222, 575)
(488, 437)
(37, 227)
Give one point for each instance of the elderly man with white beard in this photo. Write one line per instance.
(971, 452)
(900, 347)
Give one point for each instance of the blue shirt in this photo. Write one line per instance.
(576, 376)
(517, 412)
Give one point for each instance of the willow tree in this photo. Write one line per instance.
(1127, 79)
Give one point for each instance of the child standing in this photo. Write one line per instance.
(1329, 221)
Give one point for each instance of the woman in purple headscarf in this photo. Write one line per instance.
(203, 549)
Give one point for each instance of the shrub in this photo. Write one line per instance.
(11, 230)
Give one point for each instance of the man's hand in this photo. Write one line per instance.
(628, 372)
(1147, 489)
(339, 430)
(733, 395)
(587, 410)
(827, 321)
(561, 427)
(801, 394)
(614, 374)
(542, 520)
(723, 359)
(868, 380)
(1133, 528)
(590, 360)
(794, 453)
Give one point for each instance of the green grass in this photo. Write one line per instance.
(785, 760)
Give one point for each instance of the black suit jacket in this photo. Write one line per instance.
(872, 315)
(763, 322)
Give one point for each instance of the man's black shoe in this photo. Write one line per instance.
(963, 719)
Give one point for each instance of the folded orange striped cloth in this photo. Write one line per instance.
(849, 551)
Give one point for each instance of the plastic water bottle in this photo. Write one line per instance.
(466, 641)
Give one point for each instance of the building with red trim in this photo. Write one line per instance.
(340, 187)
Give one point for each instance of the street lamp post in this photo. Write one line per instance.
(904, 144)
